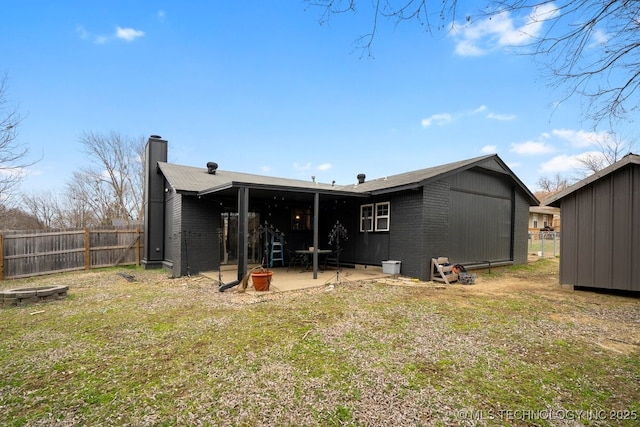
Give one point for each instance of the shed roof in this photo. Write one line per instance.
(194, 180)
(554, 200)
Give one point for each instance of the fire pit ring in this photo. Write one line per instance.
(23, 296)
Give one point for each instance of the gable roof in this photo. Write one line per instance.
(554, 200)
(194, 180)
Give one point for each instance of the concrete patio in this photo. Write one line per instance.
(296, 279)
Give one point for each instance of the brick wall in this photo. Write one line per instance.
(406, 230)
(436, 231)
(200, 245)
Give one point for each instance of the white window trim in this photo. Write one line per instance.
(387, 216)
(371, 219)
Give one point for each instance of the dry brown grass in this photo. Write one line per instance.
(161, 351)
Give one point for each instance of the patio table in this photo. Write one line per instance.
(308, 256)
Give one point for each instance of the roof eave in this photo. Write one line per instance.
(554, 200)
(272, 187)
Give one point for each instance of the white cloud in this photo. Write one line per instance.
(599, 38)
(580, 138)
(531, 148)
(265, 168)
(501, 117)
(128, 34)
(438, 119)
(84, 34)
(489, 149)
(480, 109)
(300, 167)
(308, 167)
(561, 163)
(500, 30)
(161, 15)
(442, 119)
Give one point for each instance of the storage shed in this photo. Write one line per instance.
(601, 228)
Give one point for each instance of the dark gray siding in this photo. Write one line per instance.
(173, 214)
(481, 217)
(436, 224)
(520, 228)
(405, 239)
(601, 233)
(200, 245)
(191, 235)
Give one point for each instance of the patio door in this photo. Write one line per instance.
(229, 238)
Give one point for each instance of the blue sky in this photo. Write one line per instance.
(262, 87)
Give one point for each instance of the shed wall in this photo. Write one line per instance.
(601, 233)
(520, 228)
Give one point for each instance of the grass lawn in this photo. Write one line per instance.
(513, 349)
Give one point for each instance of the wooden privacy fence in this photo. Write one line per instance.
(33, 253)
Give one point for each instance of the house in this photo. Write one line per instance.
(473, 211)
(543, 217)
(601, 228)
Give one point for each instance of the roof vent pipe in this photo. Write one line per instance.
(361, 178)
(212, 167)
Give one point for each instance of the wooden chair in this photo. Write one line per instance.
(442, 270)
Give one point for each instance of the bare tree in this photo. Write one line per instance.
(437, 15)
(110, 187)
(552, 185)
(12, 153)
(44, 207)
(609, 150)
(589, 48)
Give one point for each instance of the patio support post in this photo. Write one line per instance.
(316, 213)
(243, 231)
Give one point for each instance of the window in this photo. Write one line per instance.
(535, 220)
(366, 218)
(301, 219)
(382, 216)
(374, 217)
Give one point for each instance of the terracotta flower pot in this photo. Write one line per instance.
(261, 280)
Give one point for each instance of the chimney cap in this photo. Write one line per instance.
(155, 137)
(212, 167)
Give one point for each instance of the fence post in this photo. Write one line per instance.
(87, 249)
(1, 256)
(138, 246)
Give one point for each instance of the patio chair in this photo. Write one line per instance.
(294, 259)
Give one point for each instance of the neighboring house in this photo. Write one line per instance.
(543, 216)
(601, 228)
(473, 211)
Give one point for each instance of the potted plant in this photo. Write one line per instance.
(261, 276)
(261, 279)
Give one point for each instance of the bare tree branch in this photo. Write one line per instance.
(589, 49)
(110, 186)
(12, 153)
